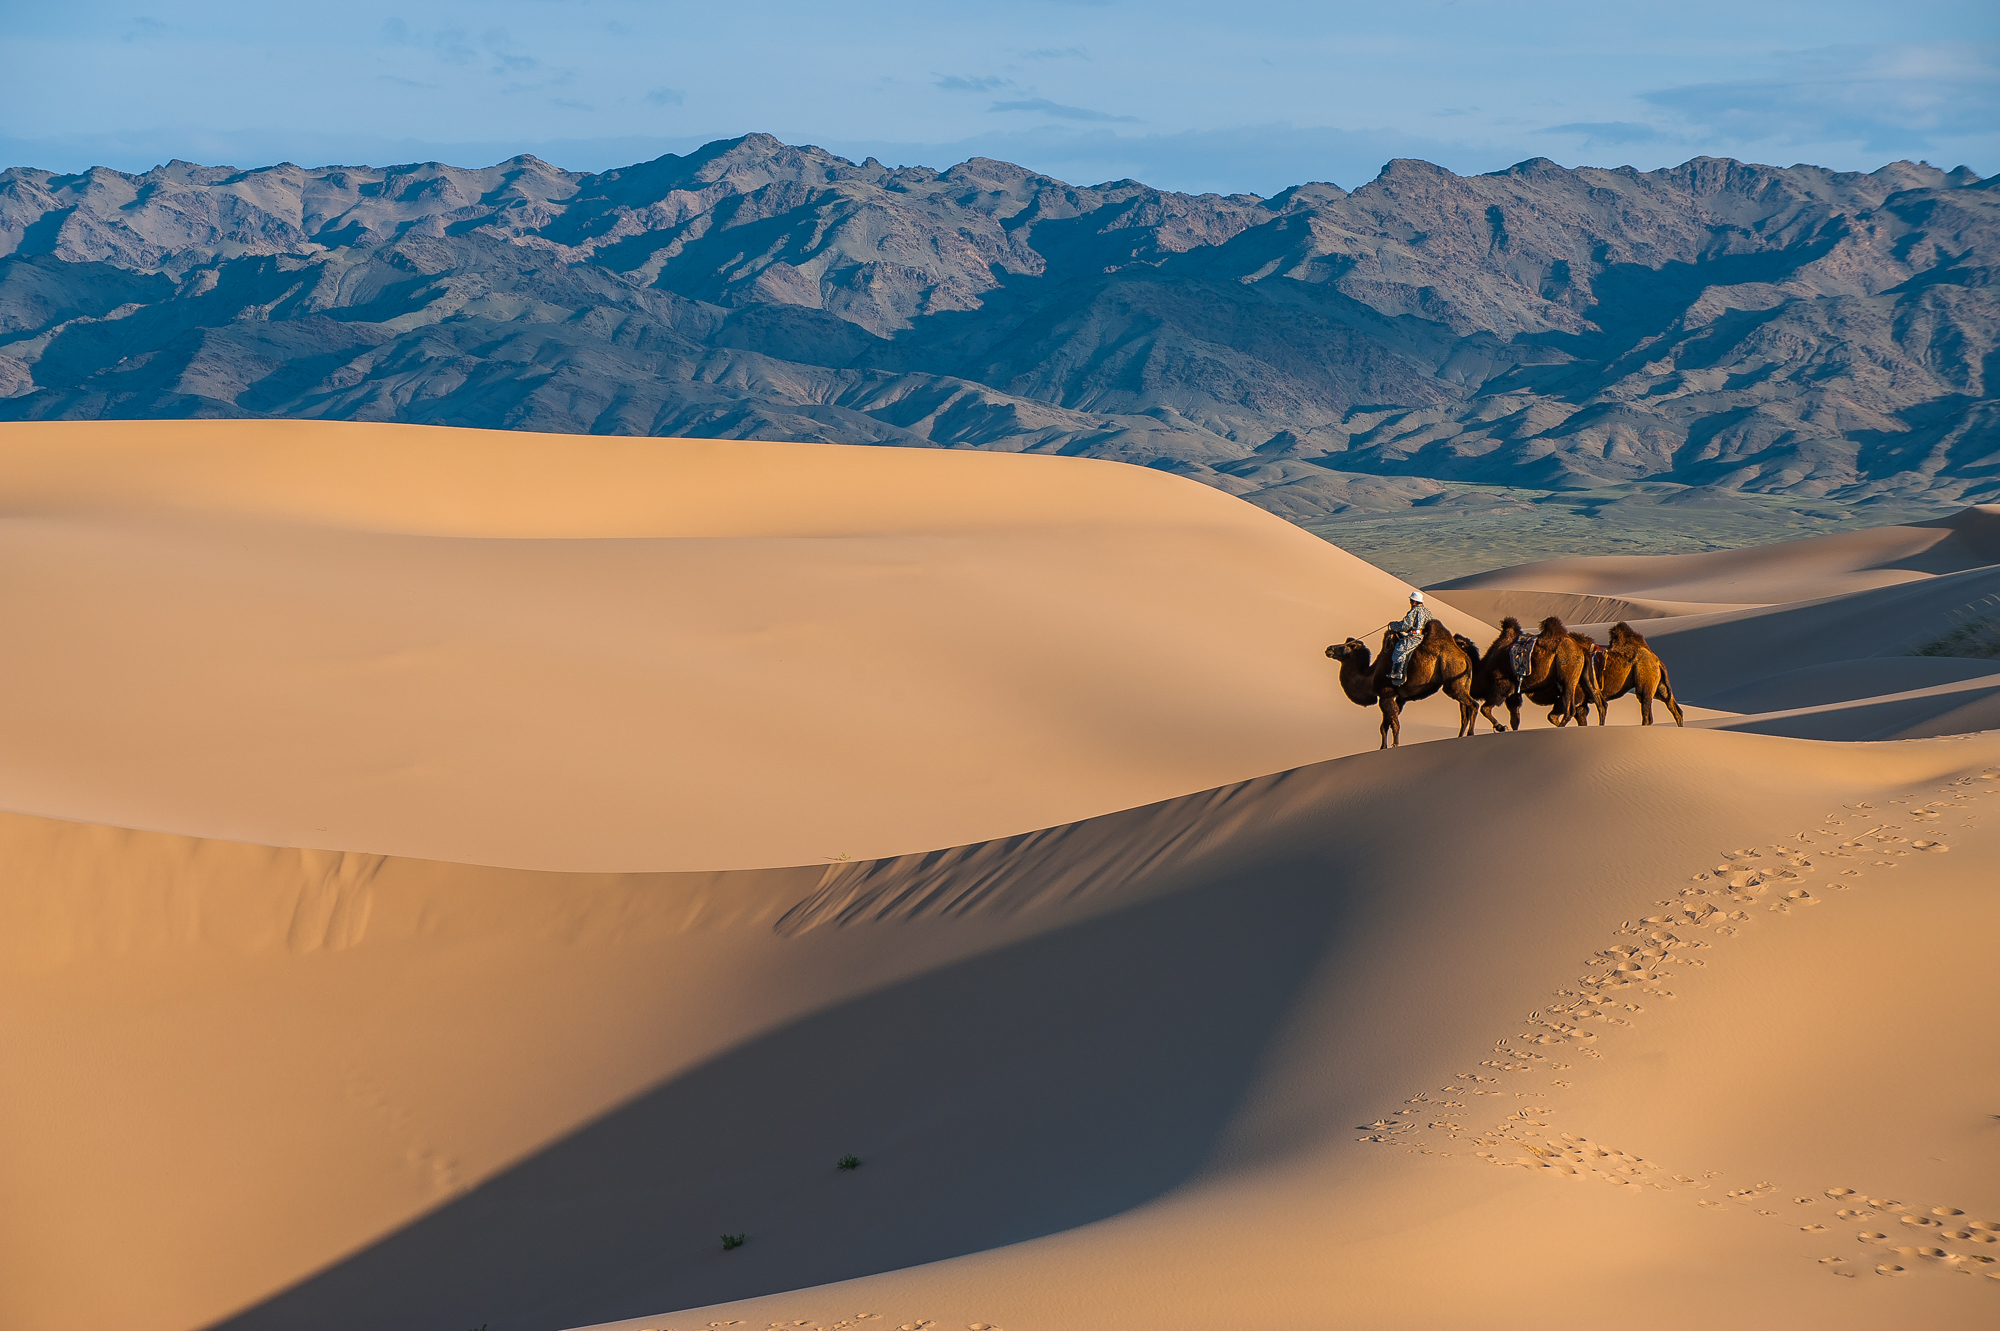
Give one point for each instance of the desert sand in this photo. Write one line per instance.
(1813, 638)
(453, 878)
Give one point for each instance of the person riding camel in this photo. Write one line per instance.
(1404, 636)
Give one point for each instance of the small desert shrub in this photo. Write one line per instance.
(849, 1162)
(731, 1241)
(1978, 639)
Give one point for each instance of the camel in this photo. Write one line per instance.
(1439, 662)
(1550, 676)
(1493, 678)
(1560, 674)
(1631, 666)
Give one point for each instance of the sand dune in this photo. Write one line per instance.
(1829, 655)
(1575, 608)
(1136, 1049)
(1147, 993)
(1786, 571)
(580, 653)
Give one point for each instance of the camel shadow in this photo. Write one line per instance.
(1032, 1089)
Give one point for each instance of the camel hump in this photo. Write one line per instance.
(1510, 623)
(1435, 632)
(1552, 627)
(1623, 632)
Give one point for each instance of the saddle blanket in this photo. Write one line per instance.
(1524, 654)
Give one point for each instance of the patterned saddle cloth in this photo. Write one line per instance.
(1524, 654)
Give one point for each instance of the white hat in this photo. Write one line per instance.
(1417, 597)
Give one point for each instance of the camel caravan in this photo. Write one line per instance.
(1565, 672)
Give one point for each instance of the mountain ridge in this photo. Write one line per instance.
(1720, 324)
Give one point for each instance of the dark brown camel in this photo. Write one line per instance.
(1630, 666)
(1438, 662)
(1493, 679)
(1560, 676)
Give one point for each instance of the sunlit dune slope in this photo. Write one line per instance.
(1800, 570)
(1824, 638)
(598, 653)
(1205, 1063)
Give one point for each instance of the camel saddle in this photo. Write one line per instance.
(1523, 651)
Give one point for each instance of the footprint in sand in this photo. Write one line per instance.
(1838, 1265)
(1890, 1269)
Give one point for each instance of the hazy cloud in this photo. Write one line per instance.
(141, 28)
(1057, 109)
(966, 83)
(1888, 100)
(1057, 53)
(1608, 131)
(666, 97)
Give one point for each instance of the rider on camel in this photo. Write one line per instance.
(1404, 637)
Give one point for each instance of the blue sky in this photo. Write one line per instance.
(1209, 96)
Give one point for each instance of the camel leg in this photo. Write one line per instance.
(1387, 703)
(1468, 711)
(1565, 707)
(1667, 697)
(1646, 690)
(1486, 710)
(1514, 711)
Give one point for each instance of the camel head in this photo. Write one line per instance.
(1352, 652)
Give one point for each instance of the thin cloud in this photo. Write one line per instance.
(1057, 109)
(1886, 100)
(970, 83)
(666, 97)
(1608, 131)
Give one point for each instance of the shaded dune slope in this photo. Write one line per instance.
(533, 1099)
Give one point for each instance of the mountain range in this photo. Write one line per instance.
(1718, 324)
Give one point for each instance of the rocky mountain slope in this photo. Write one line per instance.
(1718, 324)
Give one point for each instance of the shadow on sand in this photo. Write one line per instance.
(1032, 1089)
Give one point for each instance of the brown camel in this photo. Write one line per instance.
(1549, 677)
(1438, 662)
(1630, 666)
(1560, 676)
(1493, 678)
